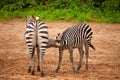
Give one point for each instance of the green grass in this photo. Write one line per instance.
(67, 10)
(107, 16)
(48, 15)
(69, 14)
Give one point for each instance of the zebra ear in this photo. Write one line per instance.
(33, 18)
(38, 18)
(61, 34)
(26, 17)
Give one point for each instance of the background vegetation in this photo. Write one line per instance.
(67, 10)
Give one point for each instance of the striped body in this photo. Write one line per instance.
(75, 37)
(36, 36)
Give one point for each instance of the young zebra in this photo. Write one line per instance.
(75, 37)
(36, 36)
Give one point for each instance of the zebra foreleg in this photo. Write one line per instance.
(60, 58)
(81, 52)
(71, 59)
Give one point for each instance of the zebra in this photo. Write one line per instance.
(36, 36)
(75, 37)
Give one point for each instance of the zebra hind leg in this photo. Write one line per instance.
(87, 55)
(60, 58)
(30, 66)
(32, 60)
(38, 67)
(41, 65)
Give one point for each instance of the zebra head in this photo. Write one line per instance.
(60, 41)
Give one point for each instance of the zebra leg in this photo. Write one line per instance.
(33, 63)
(32, 58)
(81, 52)
(38, 55)
(87, 54)
(41, 64)
(71, 59)
(60, 58)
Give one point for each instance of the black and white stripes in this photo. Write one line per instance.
(75, 37)
(42, 36)
(30, 36)
(36, 36)
(78, 34)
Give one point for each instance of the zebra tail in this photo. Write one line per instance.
(92, 46)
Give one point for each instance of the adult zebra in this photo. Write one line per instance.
(36, 36)
(75, 37)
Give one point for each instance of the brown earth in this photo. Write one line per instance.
(104, 63)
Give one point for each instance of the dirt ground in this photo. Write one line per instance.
(104, 62)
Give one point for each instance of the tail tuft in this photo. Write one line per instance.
(92, 46)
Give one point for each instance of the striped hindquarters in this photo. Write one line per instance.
(85, 33)
(42, 36)
(30, 36)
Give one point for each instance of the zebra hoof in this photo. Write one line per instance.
(29, 70)
(38, 68)
(42, 74)
(86, 68)
(33, 73)
(56, 70)
(78, 69)
(74, 71)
